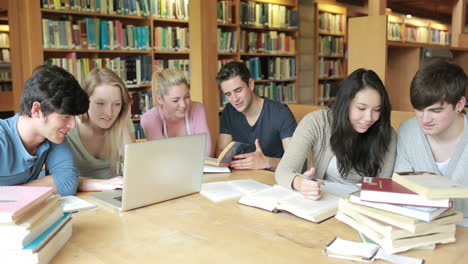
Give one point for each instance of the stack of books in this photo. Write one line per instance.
(33, 226)
(404, 212)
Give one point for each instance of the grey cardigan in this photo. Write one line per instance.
(313, 134)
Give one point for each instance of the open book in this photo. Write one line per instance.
(278, 198)
(225, 190)
(232, 149)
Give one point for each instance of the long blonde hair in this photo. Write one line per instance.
(163, 79)
(114, 134)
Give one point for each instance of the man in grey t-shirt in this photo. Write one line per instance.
(436, 139)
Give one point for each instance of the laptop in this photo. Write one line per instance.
(158, 170)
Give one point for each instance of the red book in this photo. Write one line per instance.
(384, 190)
(16, 201)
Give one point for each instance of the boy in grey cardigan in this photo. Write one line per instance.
(436, 139)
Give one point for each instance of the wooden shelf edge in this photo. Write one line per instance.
(402, 44)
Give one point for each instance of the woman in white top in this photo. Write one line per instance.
(100, 134)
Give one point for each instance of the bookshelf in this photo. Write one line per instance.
(417, 30)
(6, 94)
(330, 60)
(262, 34)
(374, 43)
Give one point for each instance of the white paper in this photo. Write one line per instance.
(74, 204)
(351, 248)
(397, 259)
(215, 169)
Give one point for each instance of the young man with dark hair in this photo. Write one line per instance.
(36, 135)
(436, 140)
(252, 119)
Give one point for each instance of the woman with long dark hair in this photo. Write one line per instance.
(350, 140)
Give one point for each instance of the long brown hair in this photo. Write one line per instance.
(114, 137)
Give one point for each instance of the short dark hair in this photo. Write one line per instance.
(439, 81)
(57, 91)
(231, 70)
(362, 152)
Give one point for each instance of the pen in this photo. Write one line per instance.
(306, 177)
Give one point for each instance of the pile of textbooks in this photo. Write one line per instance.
(33, 225)
(404, 212)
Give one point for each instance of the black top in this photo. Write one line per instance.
(275, 123)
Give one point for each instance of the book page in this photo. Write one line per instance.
(224, 190)
(338, 189)
(266, 199)
(310, 209)
(248, 185)
(219, 191)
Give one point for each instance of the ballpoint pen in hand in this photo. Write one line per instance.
(306, 177)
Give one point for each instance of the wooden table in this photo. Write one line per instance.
(193, 229)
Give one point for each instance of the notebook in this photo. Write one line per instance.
(158, 170)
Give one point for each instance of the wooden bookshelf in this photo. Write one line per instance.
(253, 53)
(6, 93)
(29, 53)
(396, 62)
(330, 43)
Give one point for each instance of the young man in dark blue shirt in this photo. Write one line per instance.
(252, 119)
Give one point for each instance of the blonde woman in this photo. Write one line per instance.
(100, 134)
(175, 113)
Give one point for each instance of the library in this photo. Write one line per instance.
(299, 53)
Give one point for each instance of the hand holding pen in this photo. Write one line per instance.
(307, 185)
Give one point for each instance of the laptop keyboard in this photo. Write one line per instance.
(118, 198)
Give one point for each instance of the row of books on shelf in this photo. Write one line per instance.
(134, 70)
(227, 41)
(6, 87)
(5, 56)
(121, 7)
(171, 38)
(5, 75)
(394, 31)
(331, 46)
(328, 90)
(417, 30)
(171, 9)
(224, 11)
(273, 42)
(267, 15)
(94, 33)
(271, 68)
(139, 132)
(142, 102)
(33, 225)
(404, 212)
(331, 23)
(330, 68)
(4, 40)
(423, 35)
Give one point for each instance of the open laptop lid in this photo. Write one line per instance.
(162, 169)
